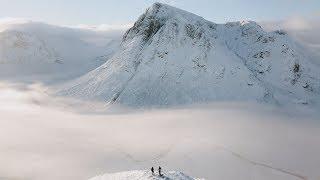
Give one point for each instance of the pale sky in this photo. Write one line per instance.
(94, 12)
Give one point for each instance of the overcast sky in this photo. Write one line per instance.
(93, 12)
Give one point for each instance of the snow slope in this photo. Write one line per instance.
(34, 51)
(173, 57)
(143, 175)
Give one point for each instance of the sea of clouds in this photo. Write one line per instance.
(50, 138)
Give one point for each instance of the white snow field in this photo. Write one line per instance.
(143, 175)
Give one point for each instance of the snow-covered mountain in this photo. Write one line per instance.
(51, 52)
(19, 47)
(143, 175)
(173, 57)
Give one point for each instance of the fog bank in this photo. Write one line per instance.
(42, 140)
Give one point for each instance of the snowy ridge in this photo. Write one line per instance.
(143, 175)
(21, 47)
(274, 59)
(37, 49)
(172, 57)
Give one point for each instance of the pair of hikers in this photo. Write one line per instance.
(159, 170)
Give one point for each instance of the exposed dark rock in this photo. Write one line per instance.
(296, 68)
(280, 32)
(147, 25)
(262, 54)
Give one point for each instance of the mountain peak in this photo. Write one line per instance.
(173, 57)
(155, 17)
(157, 6)
(161, 9)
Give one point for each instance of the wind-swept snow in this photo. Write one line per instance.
(143, 175)
(173, 57)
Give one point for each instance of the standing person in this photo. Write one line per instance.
(160, 174)
(152, 171)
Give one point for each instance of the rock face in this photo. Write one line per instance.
(143, 175)
(173, 57)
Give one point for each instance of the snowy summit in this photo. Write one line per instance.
(143, 175)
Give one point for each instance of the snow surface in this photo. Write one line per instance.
(173, 57)
(143, 175)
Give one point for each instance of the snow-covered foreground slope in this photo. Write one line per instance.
(173, 57)
(35, 51)
(143, 175)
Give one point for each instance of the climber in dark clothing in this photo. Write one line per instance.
(152, 171)
(160, 174)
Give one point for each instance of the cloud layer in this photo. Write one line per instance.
(40, 140)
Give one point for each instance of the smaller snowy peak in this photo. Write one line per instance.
(244, 23)
(18, 46)
(43, 52)
(144, 175)
(246, 28)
